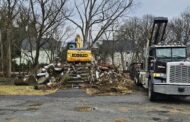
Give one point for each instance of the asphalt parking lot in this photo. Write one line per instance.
(75, 106)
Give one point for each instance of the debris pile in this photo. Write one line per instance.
(109, 81)
(47, 77)
(96, 79)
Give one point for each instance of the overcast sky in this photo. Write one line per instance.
(168, 8)
(165, 8)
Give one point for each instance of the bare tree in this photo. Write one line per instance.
(8, 12)
(134, 34)
(51, 14)
(175, 30)
(99, 14)
(186, 25)
(179, 28)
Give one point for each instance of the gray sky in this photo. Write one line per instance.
(167, 8)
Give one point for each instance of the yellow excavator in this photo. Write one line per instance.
(77, 53)
(78, 62)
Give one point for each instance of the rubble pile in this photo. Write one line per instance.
(109, 81)
(96, 79)
(46, 77)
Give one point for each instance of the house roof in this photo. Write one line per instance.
(117, 45)
(46, 43)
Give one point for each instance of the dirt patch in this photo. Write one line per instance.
(92, 91)
(84, 109)
(123, 86)
(123, 109)
(121, 120)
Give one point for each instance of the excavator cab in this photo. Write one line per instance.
(77, 44)
(71, 45)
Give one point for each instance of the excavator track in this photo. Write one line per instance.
(78, 74)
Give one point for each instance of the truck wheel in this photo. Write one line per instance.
(151, 94)
(136, 80)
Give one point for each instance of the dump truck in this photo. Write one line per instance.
(165, 68)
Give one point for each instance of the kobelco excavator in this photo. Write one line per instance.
(79, 61)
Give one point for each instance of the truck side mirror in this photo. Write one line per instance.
(152, 59)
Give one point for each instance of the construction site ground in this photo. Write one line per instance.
(74, 105)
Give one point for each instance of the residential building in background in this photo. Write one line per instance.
(49, 49)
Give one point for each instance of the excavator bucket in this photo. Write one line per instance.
(158, 30)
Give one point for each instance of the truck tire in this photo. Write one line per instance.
(151, 94)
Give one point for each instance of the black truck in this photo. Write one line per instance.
(165, 68)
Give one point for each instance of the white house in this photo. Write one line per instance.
(48, 50)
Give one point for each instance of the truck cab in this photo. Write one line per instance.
(160, 55)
